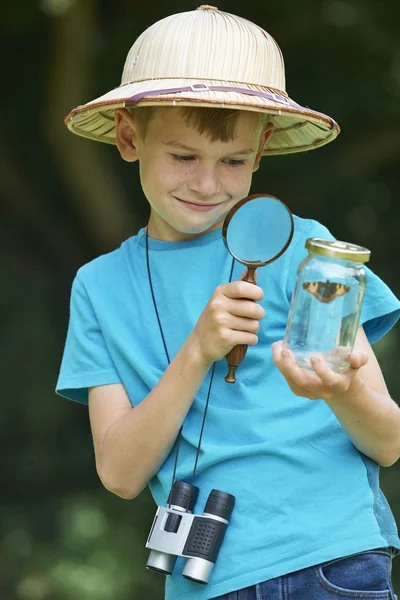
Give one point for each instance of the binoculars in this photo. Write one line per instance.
(198, 538)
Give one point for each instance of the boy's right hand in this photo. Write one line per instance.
(231, 317)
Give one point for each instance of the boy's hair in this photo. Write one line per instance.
(218, 123)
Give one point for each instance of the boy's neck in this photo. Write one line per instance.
(166, 233)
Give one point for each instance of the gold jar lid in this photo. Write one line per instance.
(336, 249)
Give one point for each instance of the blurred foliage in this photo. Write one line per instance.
(64, 200)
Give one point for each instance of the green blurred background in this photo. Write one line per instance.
(65, 200)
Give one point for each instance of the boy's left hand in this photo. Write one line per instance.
(322, 382)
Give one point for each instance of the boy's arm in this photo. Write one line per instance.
(359, 398)
(132, 443)
(367, 412)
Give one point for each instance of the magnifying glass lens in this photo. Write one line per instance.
(259, 230)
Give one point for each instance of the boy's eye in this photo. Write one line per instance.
(182, 158)
(230, 161)
(235, 163)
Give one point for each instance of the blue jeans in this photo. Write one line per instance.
(364, 575)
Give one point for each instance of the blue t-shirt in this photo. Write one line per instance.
(304, 493)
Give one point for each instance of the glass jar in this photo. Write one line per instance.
(326, 303)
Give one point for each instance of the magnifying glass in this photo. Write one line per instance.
(256, 231)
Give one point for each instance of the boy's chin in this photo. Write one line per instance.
(203, 226)
(169, 228)
(200, 229)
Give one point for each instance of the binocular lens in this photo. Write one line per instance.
(161, 562)
(198, 570)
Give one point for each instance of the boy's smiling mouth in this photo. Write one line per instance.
(198, 206)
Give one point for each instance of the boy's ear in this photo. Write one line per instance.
(264, 138)
(126, 135)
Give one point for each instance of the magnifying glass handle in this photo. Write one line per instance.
(250, 275)
(237, 354)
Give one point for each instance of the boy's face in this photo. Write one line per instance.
(190, 182)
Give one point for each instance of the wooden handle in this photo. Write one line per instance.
(237, 354)
(234, 357)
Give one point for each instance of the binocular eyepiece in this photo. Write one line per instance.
(176, 532)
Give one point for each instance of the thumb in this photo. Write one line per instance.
(358, 360)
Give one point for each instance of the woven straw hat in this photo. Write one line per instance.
(207, 58)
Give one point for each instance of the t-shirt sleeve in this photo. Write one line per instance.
(380, 309)
(86, 360)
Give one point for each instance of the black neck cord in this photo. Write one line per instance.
(169, 361)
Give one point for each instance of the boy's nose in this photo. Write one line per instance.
(205, 182)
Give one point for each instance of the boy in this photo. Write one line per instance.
(202, 99)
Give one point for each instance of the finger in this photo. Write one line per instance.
(358, 360)
(243, 289)
(241, 337)
(306, 384)
(276, 348)
(302, 378)
(245, 308)
(283, 356)
(334, 381)
(243, 324)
